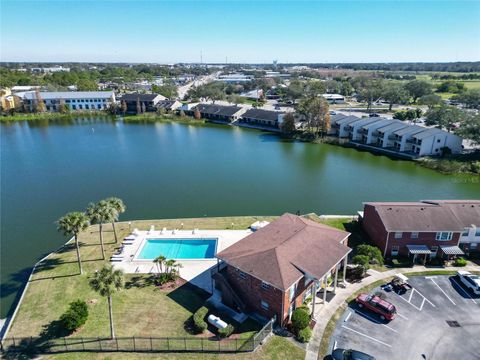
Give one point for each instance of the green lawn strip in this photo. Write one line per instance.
(53, 116)
(276, 348)
(139, 310)
(436, 272)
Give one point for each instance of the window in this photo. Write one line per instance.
(74, 107)
(465, 233)
(242, 275)
(473, 245)
(414, 235)
(444, 236)
(434, 249)
(264, 305)
(265, 286)
(477, 232)
(86, 107)
(395, 249)
(398, 235)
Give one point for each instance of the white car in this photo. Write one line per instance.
(469, 280)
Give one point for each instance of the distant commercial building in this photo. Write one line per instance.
(51, 69)
(235, 78)
(75, 100)
(334, 98)
(256, 94)
(22, 88)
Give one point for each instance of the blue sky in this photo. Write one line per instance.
(243, 31)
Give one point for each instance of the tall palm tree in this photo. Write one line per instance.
(159, 261)
(74, 223)
(101, 213)
(120, 207)
(106, 282)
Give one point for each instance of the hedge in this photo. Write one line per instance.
(198, 319)
(300, 319)
(226, 332)
(305, 335)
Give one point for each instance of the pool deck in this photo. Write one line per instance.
(196, 271)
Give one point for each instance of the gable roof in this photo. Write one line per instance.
(221, 110)
(260, 114)
(428, 216)
(410, 129)
(286, 249)
(348, 120)
(395, 125)
(167, 104)
(427, 133)
(142, 97)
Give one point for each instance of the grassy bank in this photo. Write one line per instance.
(52, 116)
(455, 164)
(164, 118)
(141, 309)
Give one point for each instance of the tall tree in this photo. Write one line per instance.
(370, 91)
(74, 223)
(288, 123)
(106, 282)
(445, 116)
(101, 213)
(418, 88)
(139, 108)
(471, 98)
(394, 93)
(295, 90)
(120, 208)
(123, 107)
(316, 113)
(470, 128)
(315, 88)
(431, 100)
(159, 262)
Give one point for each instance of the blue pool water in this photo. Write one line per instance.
(179, 248)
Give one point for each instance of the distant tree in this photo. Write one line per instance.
(236, 99)
(106, 282)
(470, 98)
(451, 87)
(295, 90)
(86, 85)
(74, 223)
(120, 208)
(370, 92)
(445, 116)
(39, 104)
(196, 114)
(168, 89)
(418, 88)
(123, 107)
(62, 107)
(431, 100)
(101, 213)
(144, 108)
(470, 128)
(394, 93)
(347, 88)
(315, 88)
(139, 108)
(316, 113)
(288, 123)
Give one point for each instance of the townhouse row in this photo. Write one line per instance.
(395, 135)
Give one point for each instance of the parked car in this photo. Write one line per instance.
(374, 115)
(376, 304)
(349, 354)
(469, 280)
(333, 112)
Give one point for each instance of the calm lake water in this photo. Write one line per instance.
(173, 170)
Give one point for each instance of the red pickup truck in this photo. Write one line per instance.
(376, 304)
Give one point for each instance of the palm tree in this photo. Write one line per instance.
(159, 261)
(120, 207)
(74, 223)
(106, 282)
(101, 213)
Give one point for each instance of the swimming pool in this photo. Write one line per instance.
(178, 249)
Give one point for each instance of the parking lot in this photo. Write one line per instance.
(437, 319)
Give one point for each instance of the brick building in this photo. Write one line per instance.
(273, 270)
(422, 229)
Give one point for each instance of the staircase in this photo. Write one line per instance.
(225, 285)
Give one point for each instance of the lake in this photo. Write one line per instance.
(173, 170)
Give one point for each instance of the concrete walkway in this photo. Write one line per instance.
(324, 313)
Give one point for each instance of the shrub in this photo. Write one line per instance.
(308, 300)
(75, 316)
(300, 319)
(363, 261)
(305, 335)
(198, 319)
(460, 262)
(226, 332)
(374, 254)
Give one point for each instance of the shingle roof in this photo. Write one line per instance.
(410, 129)
(348, 120)
(395, 125)
(283, 251)
(141, 97)
(261, 114)
(428, 215)
(426, 133)
(166, 104)
(218, 109)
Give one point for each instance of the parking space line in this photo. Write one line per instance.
(402, 316)
(375, 321)
(369, 337)
(411, 294)
(444, 293)
(401, 297)
(348, 316)
(464, 291)
(424, 297)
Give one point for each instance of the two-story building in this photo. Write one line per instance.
(221, 113)
(355, 130)
(74, 100)
(136, 103)
(432, 141)
(421, 229)
(262, 118)
(273, 270)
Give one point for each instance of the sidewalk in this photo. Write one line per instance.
(324, 313)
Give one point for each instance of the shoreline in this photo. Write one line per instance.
(462, 164)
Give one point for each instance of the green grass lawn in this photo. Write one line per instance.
(139, 310)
